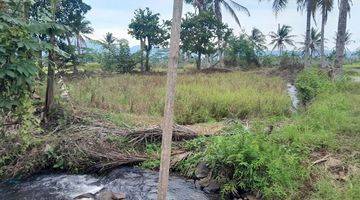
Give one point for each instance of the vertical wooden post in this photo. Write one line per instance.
(169, 103)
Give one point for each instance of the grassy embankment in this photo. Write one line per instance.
(353, 70)
(77, 140)
(277, 165)
(282, 165)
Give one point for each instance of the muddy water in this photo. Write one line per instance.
(135, 183)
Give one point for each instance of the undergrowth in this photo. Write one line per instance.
(277, 165)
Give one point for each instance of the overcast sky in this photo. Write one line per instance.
(115, 15)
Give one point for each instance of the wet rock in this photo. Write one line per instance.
(202, 171)
(251, 197)
(212, 187)
(119, 196)
(106, 194)
(204, 182)
(87, 196)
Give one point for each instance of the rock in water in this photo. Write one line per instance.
(119, 196)
(106, 194)
(202, 171)
(87, 196)
(212, 187)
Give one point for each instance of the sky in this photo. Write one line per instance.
(115, 15)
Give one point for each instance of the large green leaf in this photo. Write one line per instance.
(10, 73)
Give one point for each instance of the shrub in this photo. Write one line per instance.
(117, 57)
(243, 161)
(291, 62)
(241, 52)
(311, 82)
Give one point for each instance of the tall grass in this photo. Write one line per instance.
(278, 165)
(200, 97)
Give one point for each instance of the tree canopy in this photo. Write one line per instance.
(146, 27)
(199, 34)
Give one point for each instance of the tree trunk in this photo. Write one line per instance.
(221, 52)
(221, 57)
(78, 45)
(142, 46)
(49, 99)
(218, 15)
(169, 105)
(147, 66)
(198, 62)
(341, 38)
(322, 48)
(308, 32)
(75, 69)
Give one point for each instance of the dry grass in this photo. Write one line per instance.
(200, 97)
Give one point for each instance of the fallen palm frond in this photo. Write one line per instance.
(153, 134)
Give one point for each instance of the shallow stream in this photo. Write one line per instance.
(135, 183)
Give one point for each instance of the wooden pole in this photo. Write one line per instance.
(169, 104)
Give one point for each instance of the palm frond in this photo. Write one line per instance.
(240, 8)
(231, 11)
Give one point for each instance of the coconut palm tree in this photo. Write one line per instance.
(258, 39)
(348, 41)
(315, 42)
(216, 6)
(309, 6)
(344, 10)
(282, 38)
(230, 6)
(81, 28)
(325, 6)
(109, 39)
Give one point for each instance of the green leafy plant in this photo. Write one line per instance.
(311, 82)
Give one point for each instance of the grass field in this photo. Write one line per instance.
(284, 164)
(200, 97)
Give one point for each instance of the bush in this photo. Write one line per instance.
(291, 62)
(241, 52)
(117, 57)
(269, 61)
(311, 82)
(243, 161)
